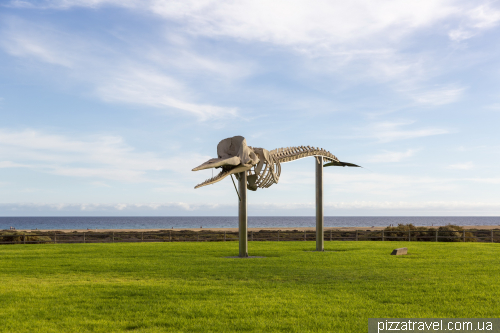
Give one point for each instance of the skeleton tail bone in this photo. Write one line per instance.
(284, 155)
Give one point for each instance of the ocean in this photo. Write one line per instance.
(187, 222)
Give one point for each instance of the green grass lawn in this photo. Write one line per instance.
(192, 287)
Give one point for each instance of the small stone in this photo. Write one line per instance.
(401, 251)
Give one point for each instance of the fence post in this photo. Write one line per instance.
(464, 235)
(252, 236)
(170, 235)
(278, 235)
(304, 235)
(383, 236)
(24, 238)
(84, 237)
(330, 235)
(436, 235)
(142, 236)
(55, 238)
(356, 235)
(224, 236)
(198, 237)
(113, 236)
(409, 235)
(492, 236)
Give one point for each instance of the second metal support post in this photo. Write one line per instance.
(319, 204)
(242, 214)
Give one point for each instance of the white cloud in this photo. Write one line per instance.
(476, 20)
(459, 35)
(292, 22)
(32, 41)
(462, 166)
(394, 131)
(10, 164)
(390, 185)
(437, 95)
(148, 88)
(369, 184)
(113, 207)
(360, 207)
(492, 181)
(494, 106)
(392, 156)
(102, 157)
(319, 23)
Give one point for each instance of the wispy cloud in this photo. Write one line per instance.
(31, 43)
(98, 157)
(437, 95)
(462, 166)
(148, 79)
(476, 20)
(342, 32)
(492, 181)
(319, 23)
(114, 207)
(360, 207)
(148, 88)
(10, 164)
(392, 156)
(395, 131)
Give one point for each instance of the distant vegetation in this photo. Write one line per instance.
(448, 233)
(403, 232)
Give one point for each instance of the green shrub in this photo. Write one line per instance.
(448, 233)
(403, 231)
(454, 233)
(19, 237)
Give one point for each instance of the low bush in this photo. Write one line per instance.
(448, 233)
(19, 237)
(454, 233)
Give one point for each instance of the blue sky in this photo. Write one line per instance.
(107, 105)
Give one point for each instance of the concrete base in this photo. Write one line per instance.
(400, 251)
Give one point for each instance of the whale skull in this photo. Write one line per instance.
(234, 156)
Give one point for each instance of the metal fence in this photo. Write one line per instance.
(431, 235)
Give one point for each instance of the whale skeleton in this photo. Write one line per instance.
(263, 167)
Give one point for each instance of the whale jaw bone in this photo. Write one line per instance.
(223, 174)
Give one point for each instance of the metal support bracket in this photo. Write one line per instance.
(235, 187)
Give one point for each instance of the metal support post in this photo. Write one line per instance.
(319, 204)
(242, 214)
